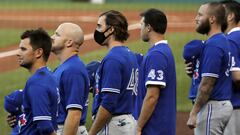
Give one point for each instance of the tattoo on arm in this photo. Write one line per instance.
(204, 91)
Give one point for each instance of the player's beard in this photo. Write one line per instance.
(26, 65)
(204, 27)
(145, 38)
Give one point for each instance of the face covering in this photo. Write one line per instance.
(99, 37)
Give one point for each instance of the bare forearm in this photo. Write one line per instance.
(102, 118)
(148, 107)
(71, 123)
(236, 78)
(70, 127)
(204, 92)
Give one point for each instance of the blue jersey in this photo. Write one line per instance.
(158, 68)
(234, 40)
(40, 101)
(216, 63)
(116, 80)
(73, 81)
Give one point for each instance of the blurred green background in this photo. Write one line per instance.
(9, 37)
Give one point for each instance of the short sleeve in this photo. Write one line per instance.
(74, 90)
(156, 69)
(211, 62)
(235, 58)
(111, 76)
(40, 102)
(111, 84)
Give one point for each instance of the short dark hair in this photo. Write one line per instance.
(39, 38)
(118, 21)
(156, 19)
(234, 7)
(216, 9)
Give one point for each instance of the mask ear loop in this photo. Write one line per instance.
(107, 30)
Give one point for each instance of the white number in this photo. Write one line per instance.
(233, 61)
(160, 75)
(133, 82)
(153, 75)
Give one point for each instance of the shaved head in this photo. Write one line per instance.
(72, 31)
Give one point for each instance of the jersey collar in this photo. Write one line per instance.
(161, 42)
(233, 30)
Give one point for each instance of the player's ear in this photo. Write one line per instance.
(38, 53)
(69, 42)
(111, 29)
(149, 28)
(212, 19)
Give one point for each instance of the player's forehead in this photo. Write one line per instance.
(25, 43)
(203, 9)
(102, 21)
(142, 20)
(60, 30)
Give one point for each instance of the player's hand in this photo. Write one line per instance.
(189, 68)
(139, 131)
(191, 123)
(11, 120)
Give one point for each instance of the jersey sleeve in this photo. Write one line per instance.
(74, 90)
(111, 84)
(111, 76)
(156, 69)
(211, 62)
(235, 58)
(40, 102)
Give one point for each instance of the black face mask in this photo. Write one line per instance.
(99, 37)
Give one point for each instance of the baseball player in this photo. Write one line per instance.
(233, 35)
(156, 96)
(40, 95)
(72, 78)
(212, 108)
(12, 104)
(192, 54)
(116, 78)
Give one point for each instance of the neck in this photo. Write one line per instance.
(214, 30)
(154, 38)
(36, 66)
(64, 55)
(113, 44)
(230, 27)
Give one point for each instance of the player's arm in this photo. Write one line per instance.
(235, 68)
(103, 117)
(110, 91)
(236, 78)
(74, 84)
(40, 108)
(72, 120)
(204, 92)
(149, 104)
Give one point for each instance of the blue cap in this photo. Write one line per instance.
(193, 49)
(14, 101)
(92, 69)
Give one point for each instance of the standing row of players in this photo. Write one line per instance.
(127, 87)
(56, 103)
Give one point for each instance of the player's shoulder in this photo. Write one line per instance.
(159, 51)
(218, 40)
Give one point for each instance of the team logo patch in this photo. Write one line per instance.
(22, 121)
